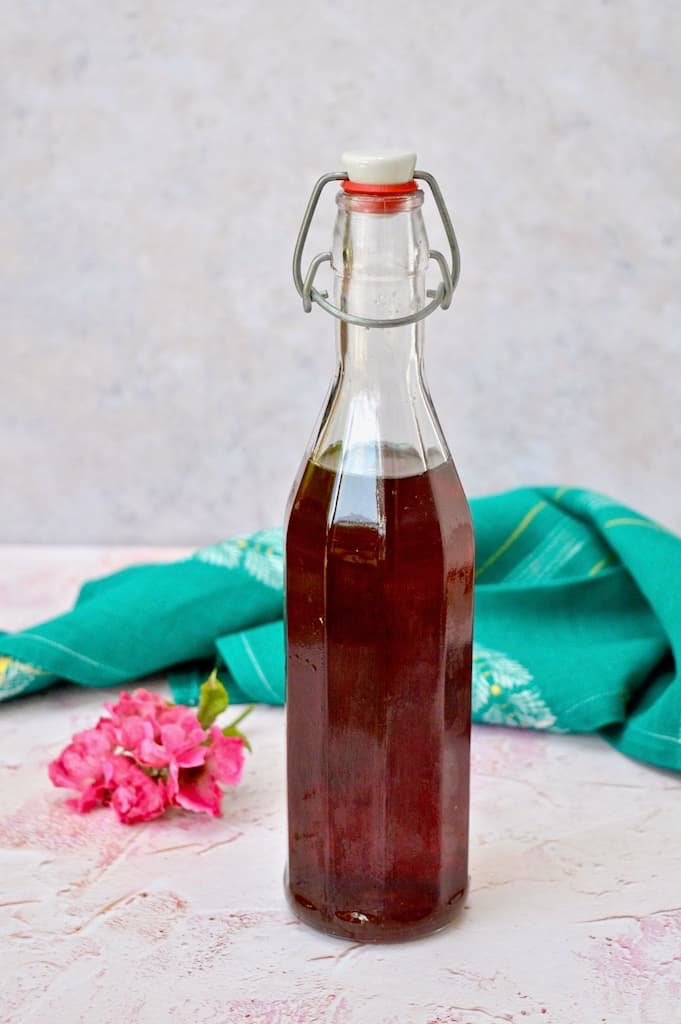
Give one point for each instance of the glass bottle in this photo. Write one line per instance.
(379, 592)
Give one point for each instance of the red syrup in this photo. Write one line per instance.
(379, 604)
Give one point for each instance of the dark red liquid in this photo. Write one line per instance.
(379, 578)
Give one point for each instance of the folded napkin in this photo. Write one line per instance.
(578, 622)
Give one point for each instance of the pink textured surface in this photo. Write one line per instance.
(574, 913)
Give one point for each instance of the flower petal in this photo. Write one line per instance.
(136, 796)
(225, 757)
(152, 754)
(192, 758)
(198, 791)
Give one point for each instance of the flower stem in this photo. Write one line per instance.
(241, 717)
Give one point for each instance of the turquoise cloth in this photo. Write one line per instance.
(578, 622)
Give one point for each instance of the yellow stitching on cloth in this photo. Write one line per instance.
(512, 538)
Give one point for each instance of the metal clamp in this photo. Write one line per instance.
(441, 296)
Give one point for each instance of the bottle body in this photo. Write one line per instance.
(379, 595)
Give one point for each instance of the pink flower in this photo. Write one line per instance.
(147, 755)
(133, 717)
(225, 757)
(81, 766)
(135, 795)
(176, 742)
(197, 789)
(141, 702)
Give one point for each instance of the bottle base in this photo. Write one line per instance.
(357, 926)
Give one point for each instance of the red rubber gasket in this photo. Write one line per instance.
(359, 188)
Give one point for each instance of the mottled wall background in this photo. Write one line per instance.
(159, 378)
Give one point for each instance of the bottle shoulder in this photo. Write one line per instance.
(386, 493)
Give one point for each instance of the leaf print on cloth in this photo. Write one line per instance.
(17, 677)
(228, 555)
(503, 692)
(261, 555)
(264, 565)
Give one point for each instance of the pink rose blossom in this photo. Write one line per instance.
(135, 795)
(81, 765)
(133, 717)
(176, 742)
(197, 789)
(142, 703)
(147, 755)
(225, 757)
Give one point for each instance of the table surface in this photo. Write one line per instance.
(573, 917)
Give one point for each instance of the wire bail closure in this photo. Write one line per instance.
(441, 296)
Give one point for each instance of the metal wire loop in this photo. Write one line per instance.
(442, 296)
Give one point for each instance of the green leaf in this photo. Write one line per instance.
(231, 729)
(213, 700)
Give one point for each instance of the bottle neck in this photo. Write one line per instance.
(380, 258)
(379, 418)
(389, 360)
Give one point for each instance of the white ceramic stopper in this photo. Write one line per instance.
(379, 166)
